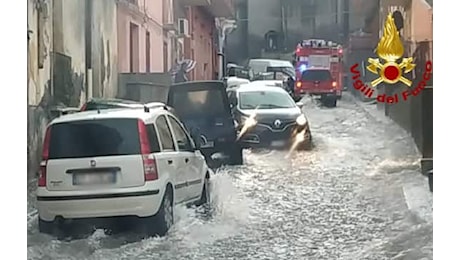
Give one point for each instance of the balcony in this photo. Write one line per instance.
(217, 8)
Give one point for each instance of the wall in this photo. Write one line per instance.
(422, 29)
(147, 19)
(237, 49)
(104, 48)
(39, 75)
(69, 52)
(359, 11)
(263, 16)
(62, 34)
(414, 115)
(201, 44)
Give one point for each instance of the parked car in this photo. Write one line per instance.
(107, 103)
(115, 163)
(277, 121)
(204, 108)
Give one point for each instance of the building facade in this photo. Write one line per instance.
(200, 39)
(143, 43)
(289, 21)
(72, 56)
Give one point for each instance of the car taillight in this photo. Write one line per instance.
(334, 84)
(150, 166)
(45, 156)
(83, 108)
(299, 84)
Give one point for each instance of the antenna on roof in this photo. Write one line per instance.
(146, 109)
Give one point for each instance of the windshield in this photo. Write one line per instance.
(208, 102)
(317, 75)
(265, 100)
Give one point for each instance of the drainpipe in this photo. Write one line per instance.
(51, 86)
(224, 27)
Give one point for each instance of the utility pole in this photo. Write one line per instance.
(224, 27)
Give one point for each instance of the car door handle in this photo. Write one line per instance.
(170, 161)
(186, 160)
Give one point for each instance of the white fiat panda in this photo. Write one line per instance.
(119, 163)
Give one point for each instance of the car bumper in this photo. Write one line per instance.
(140, 204)
(266, 137)
(302, 92)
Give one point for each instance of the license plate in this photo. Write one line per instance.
(208, 144)
(278, 143)
(94, 178)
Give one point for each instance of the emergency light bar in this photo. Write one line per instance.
(317, 43)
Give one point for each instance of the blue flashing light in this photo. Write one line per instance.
(302, 67)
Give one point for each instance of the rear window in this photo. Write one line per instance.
(203, 102)
(316, 75)
(91, 138)
(99, 106)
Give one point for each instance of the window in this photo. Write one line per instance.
(183, 141)
(147, 52)
(133, 48)
(165, 57)
(92, 138)
(232, 98)
(165, 134)
(153, 139)
(203, 102)
(265, 100)
(319, 75)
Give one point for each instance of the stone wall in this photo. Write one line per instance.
(58, 48)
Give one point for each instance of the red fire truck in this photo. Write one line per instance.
(319, 70)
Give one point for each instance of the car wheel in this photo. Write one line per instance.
(236, 155)
(205, 193)
(307, 145)
(164, 219)
(46, 227)
(330, 101)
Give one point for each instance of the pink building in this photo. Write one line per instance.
(143, 44)
(201, 45)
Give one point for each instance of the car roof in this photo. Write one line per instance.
(113, 100)
(109, 113)
(273, 62)
(317, 68)
(259, 87)
(269, 82)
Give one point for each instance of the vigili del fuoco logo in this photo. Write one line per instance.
(390, 49)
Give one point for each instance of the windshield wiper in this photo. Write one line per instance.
(248, 107)
(271, 106)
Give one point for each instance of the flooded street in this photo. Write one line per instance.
(351, 197)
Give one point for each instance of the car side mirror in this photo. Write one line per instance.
(233, 102)
(196, 136)
(299, 104)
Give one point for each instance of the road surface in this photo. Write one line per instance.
(357, 195)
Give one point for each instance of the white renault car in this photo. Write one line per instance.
(119, 163)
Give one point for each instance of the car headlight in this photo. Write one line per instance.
(301, 120)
